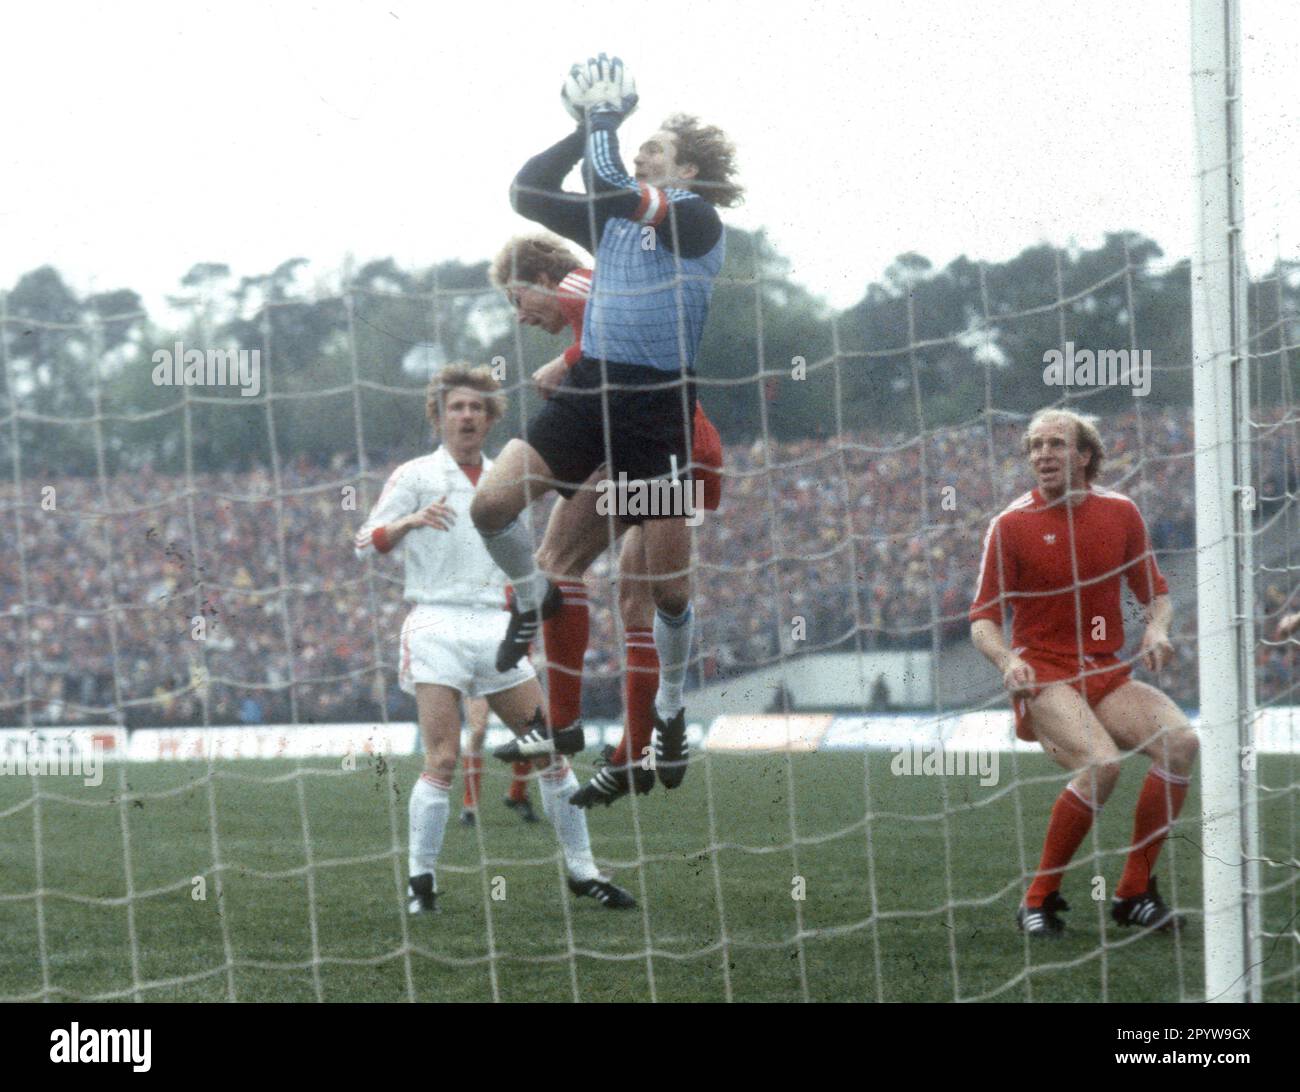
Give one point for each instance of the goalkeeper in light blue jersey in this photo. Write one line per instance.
(629, 403)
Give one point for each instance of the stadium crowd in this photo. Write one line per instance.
(138, 598)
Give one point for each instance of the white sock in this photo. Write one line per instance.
(429, 810)
(673, 643)
(512, 549)
(558, 784)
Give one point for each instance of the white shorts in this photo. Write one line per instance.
(457, 647)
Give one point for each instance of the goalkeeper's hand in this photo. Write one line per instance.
(600, 85)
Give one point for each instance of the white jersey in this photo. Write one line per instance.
(442, 567)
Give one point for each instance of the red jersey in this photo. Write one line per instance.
(706, 444)
(572, 293)
(1027, 562)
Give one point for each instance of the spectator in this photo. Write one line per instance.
(872, 540)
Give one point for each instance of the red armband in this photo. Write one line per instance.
(653, 206)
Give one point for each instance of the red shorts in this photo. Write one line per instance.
(1098, 676)
(706, 453)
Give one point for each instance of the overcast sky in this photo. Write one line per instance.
(142, 138)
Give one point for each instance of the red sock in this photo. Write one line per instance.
(473, 765)
(1071, 820)
(564, 636)
(519, 786)
(1159, 803)
(639, 686)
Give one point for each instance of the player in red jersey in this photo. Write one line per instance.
(1057, 555)
(548, 287)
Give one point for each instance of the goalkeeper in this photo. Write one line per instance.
(548, 287)
(658, 243)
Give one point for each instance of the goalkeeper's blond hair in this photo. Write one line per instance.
(714, 157)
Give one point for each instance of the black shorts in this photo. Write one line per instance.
(649, 425)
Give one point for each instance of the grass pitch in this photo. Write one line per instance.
(718, 912)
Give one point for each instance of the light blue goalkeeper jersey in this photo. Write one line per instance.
(648, 305)
(648, 302)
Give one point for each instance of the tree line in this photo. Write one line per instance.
(922, 348)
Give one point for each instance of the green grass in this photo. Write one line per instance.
(928, 956)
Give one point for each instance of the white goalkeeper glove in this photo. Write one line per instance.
(600, 85)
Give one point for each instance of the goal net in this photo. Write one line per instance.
(207, 757)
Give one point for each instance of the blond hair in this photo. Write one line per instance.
(527, 258)
(1086, 436)
(714, 157)
(475, 377)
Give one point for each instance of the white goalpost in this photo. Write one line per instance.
(861, 821)
(1224, 504)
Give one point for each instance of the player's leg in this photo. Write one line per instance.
(1073, 736)
(439, 714)
(626, 765)
(564, 443)
(1141, 718)
(519, 476)
(537, 739)
(518, 707)
(472, 761)
(517, 798)
(636, 609)
(667, 556)
(576, 535)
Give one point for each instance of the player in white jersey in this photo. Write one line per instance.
(449, 640)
